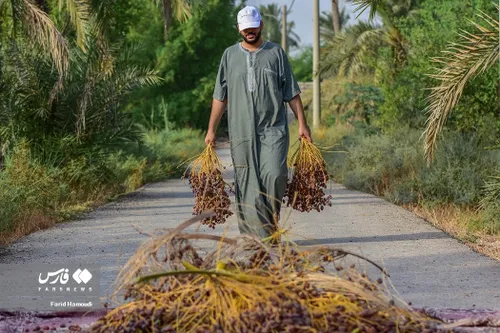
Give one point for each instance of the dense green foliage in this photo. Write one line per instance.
(302, 65)
(427, 32)
(100, 97)
(104, 120)
(187, 62)
(394, 167)
(29, 186)
(386, 107)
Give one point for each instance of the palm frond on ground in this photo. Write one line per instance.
(462, 61)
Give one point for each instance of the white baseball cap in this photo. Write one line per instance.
(248, 17)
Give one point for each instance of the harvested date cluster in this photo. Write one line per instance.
(266, 291)
(306, 190)
(209, 188)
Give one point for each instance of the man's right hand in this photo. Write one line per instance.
(218, 108)
(210, 138)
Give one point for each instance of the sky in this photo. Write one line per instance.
(303, 17)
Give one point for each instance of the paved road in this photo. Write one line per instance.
(427, 267)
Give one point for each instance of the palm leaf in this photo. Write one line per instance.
(43, 31)
(461, 62)
(105, 78)
(79, 12)
(344, 54)
(363, 5)
(182, 10)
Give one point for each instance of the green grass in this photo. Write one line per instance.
(32, 190)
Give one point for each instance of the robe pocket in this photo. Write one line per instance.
(270, 71)
(271, 78)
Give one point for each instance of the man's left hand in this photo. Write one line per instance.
(305, 132)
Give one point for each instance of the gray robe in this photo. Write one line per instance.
(257, 84)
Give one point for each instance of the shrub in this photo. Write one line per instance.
(55, 187)
(490, 206)
(394, 167)
(459, 171)
(377, 162)
(173, 145)
(25, 186)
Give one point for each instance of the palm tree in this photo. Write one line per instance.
(87, 108)
(386, 35)
(272, 18)
(35, 23)
(326, 23)
(292, 39)
(178, 9)
(395, 8)
(389, 11)
(462, 61)
(344, 53)
(336, 16)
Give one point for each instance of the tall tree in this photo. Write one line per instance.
(346, 52)
(187, 61)
(272, 18)
(178, 9)
(326, 23)
(336, 16)
(366, 38)
(389, 11)
(31, 20)
(461, 62)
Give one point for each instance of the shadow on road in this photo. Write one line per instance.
(141, 208)
(386, 238)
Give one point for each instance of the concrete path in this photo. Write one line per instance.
(427, 267)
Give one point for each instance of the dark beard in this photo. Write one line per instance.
(257, 38)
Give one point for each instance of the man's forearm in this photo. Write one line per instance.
(218, 108)
(298, 109)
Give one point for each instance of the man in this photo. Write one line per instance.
(254, 82)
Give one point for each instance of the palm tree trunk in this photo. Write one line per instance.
(1, 46)
(167, 16)
(336, 16)
(1, 77)
(284, 27)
